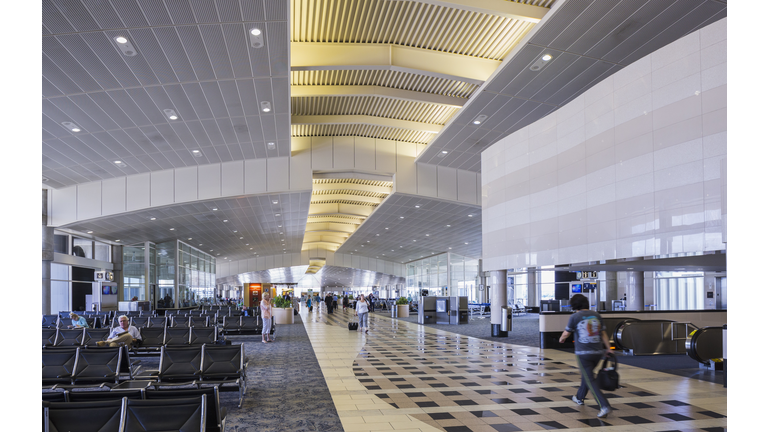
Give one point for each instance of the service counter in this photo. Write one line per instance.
(552, 324)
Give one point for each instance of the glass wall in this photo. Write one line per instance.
(190, 270)
(444, 274)
(679, 290)
(134, 273)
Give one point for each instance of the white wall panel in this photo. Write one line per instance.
(63, 208)
(406, 178)
(365, 154)
(386, 156)
(137, 191)
(232, 178)
(208, 181)
(447, 183)
(113, 199)
(468, 187)
(344, 153)
(628, 169)
(161, 188)
(322, 153)
(426, 179)
(255, 176)
(301, 171)
(89, 200)
(185, 184)
(278, 174)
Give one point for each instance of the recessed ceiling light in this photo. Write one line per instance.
(197, 153)
(469, 215)
(274, 201)
(173, 229)
(125, 46)
(466, 243)
(255, 31)
(117, 240)
(214, 209)
(226, 220)
(277, 215)
(418, 206)
(121, 39)
(234, 231)
(256, 38)
(427, 235)
(91, 232)
(71, 126)
(171, 114)
(479, 119)
(189, 238)
(153, 218)
(448, 226)
(121, 164)
(546, 57)
(402, 217)
(241, 238)
(270, 145)
(266, 106)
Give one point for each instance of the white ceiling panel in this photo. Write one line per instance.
(194, 56)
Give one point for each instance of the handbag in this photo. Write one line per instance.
(352, 325)
(607, 376)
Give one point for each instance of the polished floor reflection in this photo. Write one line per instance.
(406, 377)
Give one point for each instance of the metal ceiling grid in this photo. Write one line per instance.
(192, 57)
(435, 225)
(372, 106)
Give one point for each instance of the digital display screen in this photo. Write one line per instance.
(576, 288)
(590, 287)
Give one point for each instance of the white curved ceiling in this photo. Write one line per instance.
(414, 71)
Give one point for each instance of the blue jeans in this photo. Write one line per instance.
(363, 319)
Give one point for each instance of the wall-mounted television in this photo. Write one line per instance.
(576, 288)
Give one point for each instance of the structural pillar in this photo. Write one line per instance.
(47, 256)
(533, 293)
(611, 289)
(498, 293)
(635, 291)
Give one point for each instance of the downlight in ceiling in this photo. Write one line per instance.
(256, 37)
(125, 46)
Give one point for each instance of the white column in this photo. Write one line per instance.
(498, 291)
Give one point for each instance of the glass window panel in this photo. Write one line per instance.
(102, 252)
(82, 247)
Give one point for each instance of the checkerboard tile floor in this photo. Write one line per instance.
(403, 376)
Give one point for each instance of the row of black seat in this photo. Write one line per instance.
(127, 415)
(216, 415)
(217, 365)
(102, 320)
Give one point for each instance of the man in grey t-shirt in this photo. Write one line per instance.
(592, 344)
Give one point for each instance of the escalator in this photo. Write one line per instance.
(652, 337)
(705, 345)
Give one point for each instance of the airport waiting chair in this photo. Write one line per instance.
(49, 336)
(100, 395)
(224, 365)
(201, 321)
(69, 337)
(216, 415)
(202, 335)
(178, 364)
(94, 416)
(156, 415)
(51, 321)
(156, 321)
(59, 365)
(177, 336)
(93, 336)
(151, 340)
(97, 365)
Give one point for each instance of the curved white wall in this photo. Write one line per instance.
(633, 167)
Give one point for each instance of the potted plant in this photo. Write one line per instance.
(402, 307)
(282, 311)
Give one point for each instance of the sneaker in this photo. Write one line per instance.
(577, 401)
(603, 412)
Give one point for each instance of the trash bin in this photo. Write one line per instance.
(506, 318)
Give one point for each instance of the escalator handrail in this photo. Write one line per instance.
(692, 341)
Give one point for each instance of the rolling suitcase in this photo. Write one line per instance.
(352, 325)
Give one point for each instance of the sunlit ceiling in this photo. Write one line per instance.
(410, 71)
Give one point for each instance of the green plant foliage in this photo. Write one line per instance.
(401, 301)
(280, 302)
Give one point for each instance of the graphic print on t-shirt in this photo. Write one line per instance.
(589, 330)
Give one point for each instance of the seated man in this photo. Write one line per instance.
(124, 333)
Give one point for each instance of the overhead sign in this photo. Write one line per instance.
(586, 275)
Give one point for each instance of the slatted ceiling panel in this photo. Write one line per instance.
(373, 106)
(87, 59)
(213, 39)
(404, 23)
(390, 79)
(103, 13)
(379, 132)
